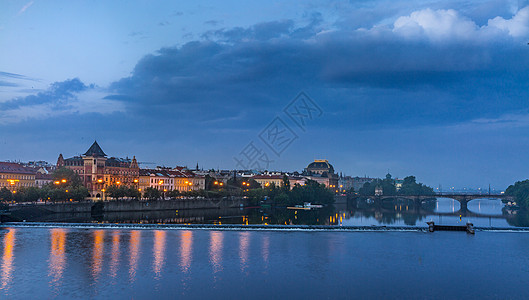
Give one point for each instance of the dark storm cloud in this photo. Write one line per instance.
(439, 66)
(56, 95)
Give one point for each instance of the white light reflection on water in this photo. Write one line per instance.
(266, 249)
(486, 206)
(244, 245)
(134, 252)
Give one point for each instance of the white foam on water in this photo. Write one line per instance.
(308, 228)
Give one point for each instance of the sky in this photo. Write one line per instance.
(435, 89)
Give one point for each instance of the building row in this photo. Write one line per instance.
(98, 171)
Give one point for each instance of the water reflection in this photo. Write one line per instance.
(158, 252)
(355, 212)
(244, 244)
(486, 207)
(57, 260)
(114, 259)
(215, 250)
(266, 248)
(97, 254)
(7, 258)
(446, 205)
(186, 250)
(134, 253)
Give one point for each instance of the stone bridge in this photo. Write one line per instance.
(463, 199)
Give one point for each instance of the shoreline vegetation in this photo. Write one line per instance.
(67, 186)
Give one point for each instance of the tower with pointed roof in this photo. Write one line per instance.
(60, 161)
(98, 171)
(95, 151)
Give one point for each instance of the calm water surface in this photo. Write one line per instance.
(482, 213)
(163, 264)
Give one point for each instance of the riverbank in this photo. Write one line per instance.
(36, 211)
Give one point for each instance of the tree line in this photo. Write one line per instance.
(410, 186)
(520, 192)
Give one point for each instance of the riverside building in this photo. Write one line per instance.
(14, 176)
(98, 172)
(322, 172)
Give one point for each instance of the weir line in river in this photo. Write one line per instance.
(243, 227)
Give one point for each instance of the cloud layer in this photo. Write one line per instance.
(383, 81)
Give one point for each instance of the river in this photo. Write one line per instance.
(199, 264)
(482, 213)
(71, 260)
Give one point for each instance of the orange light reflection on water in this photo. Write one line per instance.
(158, 252)
(216, 239)
(57, 261)
(7, 258)
(186, 250)
(97, 254)
(114, 259)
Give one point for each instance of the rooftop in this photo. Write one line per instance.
(95, 150)
(9, 167)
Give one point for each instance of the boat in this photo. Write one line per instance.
(469, 227)
(306, 206)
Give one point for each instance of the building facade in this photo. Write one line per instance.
(14, 176)
(165, 179)
(322, 172)
(268, 180)
(98, 172)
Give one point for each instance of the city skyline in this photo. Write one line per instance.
(431, 89)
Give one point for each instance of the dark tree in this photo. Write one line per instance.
(152, 193)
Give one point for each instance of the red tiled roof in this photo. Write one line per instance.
(267, 177)
(8, 167)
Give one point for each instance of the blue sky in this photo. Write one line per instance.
(437, 89)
